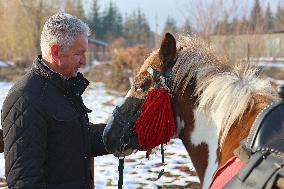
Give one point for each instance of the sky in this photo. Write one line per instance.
(157, 11)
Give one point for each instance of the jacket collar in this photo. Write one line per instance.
(76, 85)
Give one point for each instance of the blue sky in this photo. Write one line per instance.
(157, 11)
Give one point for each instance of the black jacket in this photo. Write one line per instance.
(48, 140)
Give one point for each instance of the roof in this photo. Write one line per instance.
(97, 42)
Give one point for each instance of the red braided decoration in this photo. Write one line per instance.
(155, 125)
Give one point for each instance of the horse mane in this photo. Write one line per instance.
(225, 91)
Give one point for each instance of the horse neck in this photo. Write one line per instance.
(202, 141)
(240, 130)
(199, 153)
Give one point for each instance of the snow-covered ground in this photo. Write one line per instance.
(139, 172)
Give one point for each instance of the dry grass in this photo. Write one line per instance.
(277, 74)
(130, 58)
(11, 74)
(99, 73)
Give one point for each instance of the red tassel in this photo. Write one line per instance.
(155, 124)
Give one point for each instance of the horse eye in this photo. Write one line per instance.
(145, 86)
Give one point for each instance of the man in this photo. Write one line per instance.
(47, 136)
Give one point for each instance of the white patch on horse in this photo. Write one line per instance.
(180, 126)
(206, 131)
(128, 94)
(150, 71)
(109, 124)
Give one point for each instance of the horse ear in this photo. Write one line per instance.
(168, 50)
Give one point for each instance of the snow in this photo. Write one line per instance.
(270, 65)
(139, 172)
(4, 86)
(6, 64)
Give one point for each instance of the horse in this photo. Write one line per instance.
(214, 101)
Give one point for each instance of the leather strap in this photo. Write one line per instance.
(260, 172)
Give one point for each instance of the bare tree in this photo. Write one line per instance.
(279, 17)
(21, 24)
(75, 8)
(206, 14)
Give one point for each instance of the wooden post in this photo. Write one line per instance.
(1, 141)
(92, 173)
(248, 53)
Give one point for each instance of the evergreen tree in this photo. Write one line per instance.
(256, 18)
(244, 26)
(137, 29)
(223, 26)
(234, 26)
(170, 26)
(186, 28)
(95, 20)
(279, 18)
(268, 19)
(112, 23)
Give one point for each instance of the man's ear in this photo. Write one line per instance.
(54, 49)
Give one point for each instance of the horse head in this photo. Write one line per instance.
(155, 71)
(214, 102)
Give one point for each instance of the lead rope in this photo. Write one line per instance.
(161, 173)
(120, 170)
(121, 158)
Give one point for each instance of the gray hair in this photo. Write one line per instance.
(61, 29)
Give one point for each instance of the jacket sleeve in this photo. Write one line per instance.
(25, 133)
(97, 145)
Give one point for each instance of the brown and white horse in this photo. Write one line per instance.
(214, 103)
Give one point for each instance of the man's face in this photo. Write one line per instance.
(73, 57)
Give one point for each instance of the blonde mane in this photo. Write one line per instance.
(225, 91)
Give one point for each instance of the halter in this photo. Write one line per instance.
(127, 131)
(164, 81)
(124, 140)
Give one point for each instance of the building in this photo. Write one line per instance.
(251, 45)
(98, 50)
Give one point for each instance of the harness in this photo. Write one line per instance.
(263, 151)
(163, 80)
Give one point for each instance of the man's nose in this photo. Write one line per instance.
(83, 61)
